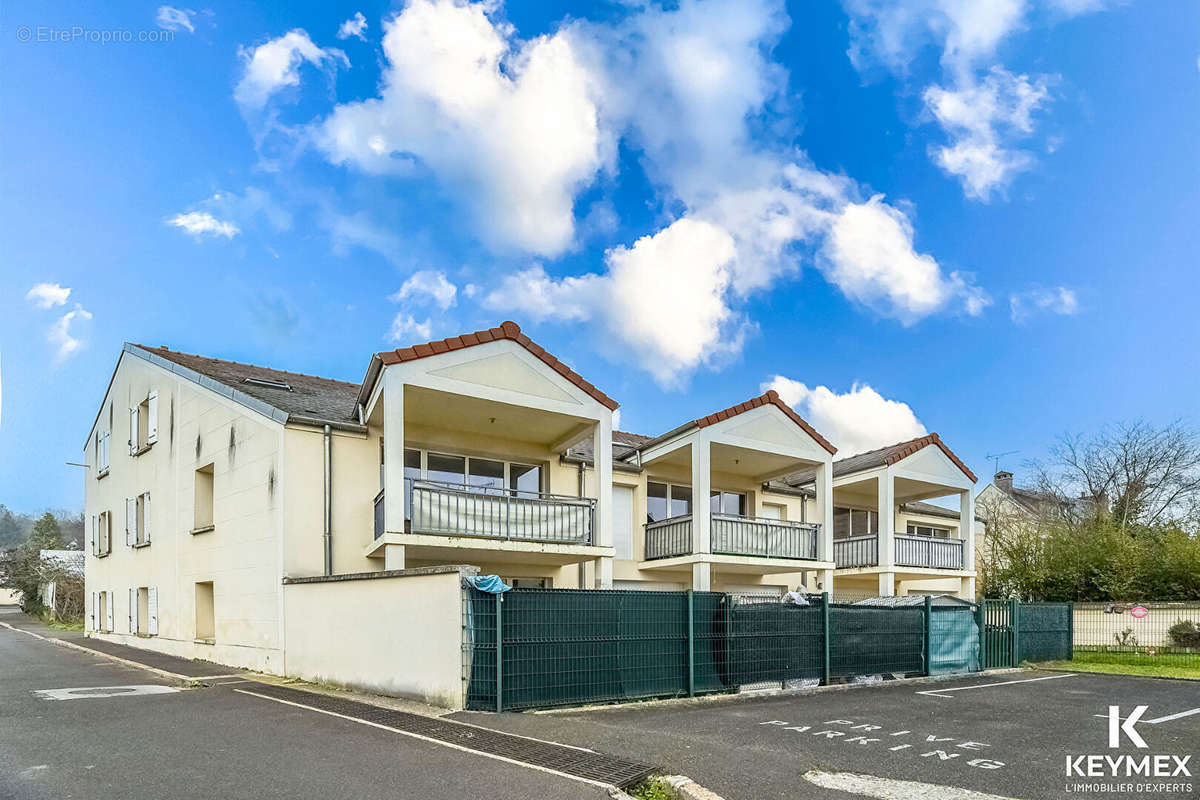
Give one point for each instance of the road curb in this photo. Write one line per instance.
(681, 787)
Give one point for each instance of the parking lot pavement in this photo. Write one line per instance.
(112, 737)
(1007, 734)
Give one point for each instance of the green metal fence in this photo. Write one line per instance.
(571, 647)
(1044, 632)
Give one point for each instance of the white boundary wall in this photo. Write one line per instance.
(397, 632)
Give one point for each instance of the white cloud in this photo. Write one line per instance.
(430, 284)
(406, 330)
(174, 19)
(983, 115)
(664, 300)
(1058, 300)
(61, 335)
(855, 421)
(871, 258)
(202, 223)
(980, 120)
(48, 295)
(275, 65)
(353, 27)
(509, 125)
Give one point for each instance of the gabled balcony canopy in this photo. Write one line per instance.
(498, 394)
(755, 442)
(881, 480)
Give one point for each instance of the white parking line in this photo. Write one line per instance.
(1167, 718)
(940, 692)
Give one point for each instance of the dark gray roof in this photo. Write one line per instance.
(880, 457)
(623, 444)
(309, 399)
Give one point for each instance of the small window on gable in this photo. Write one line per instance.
(143, 424)
(202, 517)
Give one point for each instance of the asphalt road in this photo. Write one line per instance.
(214, 743)
(1010, 739)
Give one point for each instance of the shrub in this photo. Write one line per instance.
(1184, 633)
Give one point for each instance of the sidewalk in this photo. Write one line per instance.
(183, 669)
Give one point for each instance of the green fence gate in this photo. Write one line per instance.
(998, 621)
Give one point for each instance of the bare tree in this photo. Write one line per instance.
(1134, 473)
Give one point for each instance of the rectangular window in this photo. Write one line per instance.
(448, 469)
(102, 438)
(531, 583)
(523, 478)
(484, 474)
(841, 523)
(205, 613)
(864, 523)
(928, 530)
(101, 534)
(143, 424)
(137, 531)
(848, 522)
(729, 503)
(202, 514)
(656, 502)
(681, 501)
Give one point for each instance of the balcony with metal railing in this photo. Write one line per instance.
(488, 512)
(910, 551)
(734, 535)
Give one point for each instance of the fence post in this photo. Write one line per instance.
(499, 652)
(980, 623)
(1015, 621)
(928, 634)
(1071, 631)
(825, 630)
(691, 606)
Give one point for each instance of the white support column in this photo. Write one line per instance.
(393, 452)
(824, 514)
(966, 527)
(602, 447)
(701, 486)
(967, 589)
(393, 556)
(887, 541)
(825, 580)
(702, 576)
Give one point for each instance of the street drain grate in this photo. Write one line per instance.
(580, 763)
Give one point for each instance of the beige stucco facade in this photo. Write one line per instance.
(244, 519)
(240, 556)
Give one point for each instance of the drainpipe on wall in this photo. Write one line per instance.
(328, 501)
(582, 566)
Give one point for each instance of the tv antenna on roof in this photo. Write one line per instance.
(995, 457)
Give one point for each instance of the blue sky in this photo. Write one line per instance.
(975, 218)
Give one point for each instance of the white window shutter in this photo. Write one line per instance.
(109, 608)
(94, 538)
(152, 418)
(104, 450)
(152, 609)
(146, 518)
(131, 521)
(133, 622)
(133, 430)
(95, 609)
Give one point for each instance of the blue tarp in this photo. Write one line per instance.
(487, 583)
(954, 646)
